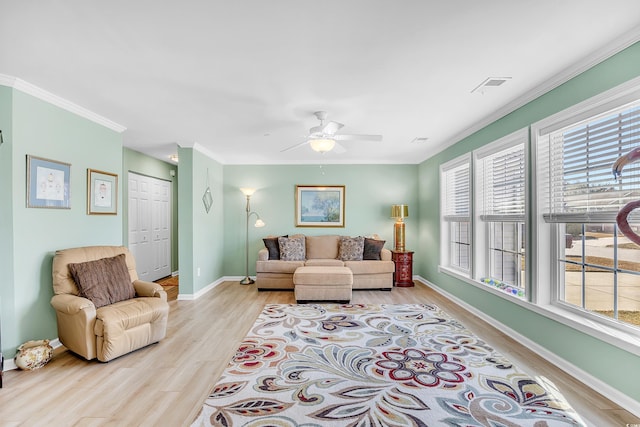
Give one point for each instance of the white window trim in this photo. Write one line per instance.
(480, 236)
(542, 299)
(445, 249)
(545, 248)
(564, 315)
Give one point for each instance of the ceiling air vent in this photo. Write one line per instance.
(419, 140)
(490, 83)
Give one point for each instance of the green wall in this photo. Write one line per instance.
(604, 361)
(7, 289)
(370, 190)
(30, 236)
(213, 242)
(134, 161)
(201, 233)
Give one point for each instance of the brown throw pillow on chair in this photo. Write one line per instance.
(103, 281)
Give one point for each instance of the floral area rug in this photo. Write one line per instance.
(375, 365)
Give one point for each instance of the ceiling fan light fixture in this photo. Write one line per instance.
(322, 145)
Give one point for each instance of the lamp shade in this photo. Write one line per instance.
(399, 211)
(322, 145)
(247, 191)
(259, 223)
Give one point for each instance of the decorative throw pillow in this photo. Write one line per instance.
(372, 249)
(292, 248)
(351, 248)
(103, 281)
(271, 243)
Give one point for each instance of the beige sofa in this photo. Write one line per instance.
(323, 251)
(90, 325)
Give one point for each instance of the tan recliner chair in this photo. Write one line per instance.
(112, 330)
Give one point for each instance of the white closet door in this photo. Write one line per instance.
(161, 225)
(150, 225)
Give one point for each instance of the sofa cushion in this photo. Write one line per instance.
(292, 248)
(104, 281)
(370, 267)
(372, 249)
(271, 243)
(277, 266)
(323, 247)
(324, 262)
(351, 248)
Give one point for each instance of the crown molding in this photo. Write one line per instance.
(204, 150)
(49, 97)
(598, 56)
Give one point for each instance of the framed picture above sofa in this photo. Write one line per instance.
(320, 205)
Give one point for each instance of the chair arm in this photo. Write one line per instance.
(263, 254)
(76, 318)
(385, 254)
(149, 289)
(72, 304)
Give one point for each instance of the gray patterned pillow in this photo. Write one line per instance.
(292, 248)
(351, 248)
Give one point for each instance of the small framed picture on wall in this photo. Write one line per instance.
(48, 183)
(102, 193)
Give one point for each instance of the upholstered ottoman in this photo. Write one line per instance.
(322, 283)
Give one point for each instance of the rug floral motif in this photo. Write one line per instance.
(375, 365)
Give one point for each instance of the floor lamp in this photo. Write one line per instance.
(248, 192)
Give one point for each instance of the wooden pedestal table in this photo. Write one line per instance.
(403, 277)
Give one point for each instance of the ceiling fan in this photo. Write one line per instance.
(324, 137)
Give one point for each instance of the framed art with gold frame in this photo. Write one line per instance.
(320, 205)
(102, 193)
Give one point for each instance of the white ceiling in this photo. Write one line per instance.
(241, 79)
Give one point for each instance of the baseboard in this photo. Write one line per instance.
(584, 377)
(9, 365)
(210, 286)
(175, 273)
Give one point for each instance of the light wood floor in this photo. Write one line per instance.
(165, 384)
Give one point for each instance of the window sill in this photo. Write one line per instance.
(628, 341)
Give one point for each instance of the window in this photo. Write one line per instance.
(455, 190)
(499, 188)
(592, 267)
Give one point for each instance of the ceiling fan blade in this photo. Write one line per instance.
(339, 148)
(293, 147)
(331, 128)
(346, 137)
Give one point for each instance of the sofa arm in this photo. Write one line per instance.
(149, 289)
(72, 304)
(263, 254)
(385, 254)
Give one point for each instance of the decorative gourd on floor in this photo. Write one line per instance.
(33, 355)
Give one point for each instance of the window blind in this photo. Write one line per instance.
(577, 167)
(457, 193)
(501, 178)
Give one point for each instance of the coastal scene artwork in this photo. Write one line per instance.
(320, 206)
